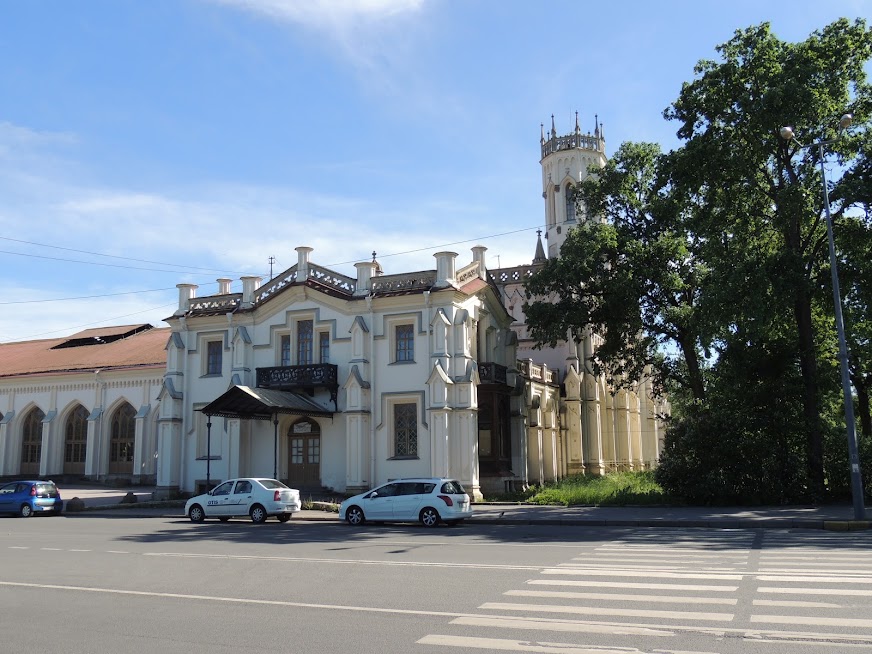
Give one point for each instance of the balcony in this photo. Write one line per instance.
(300, 378)
(492, 373)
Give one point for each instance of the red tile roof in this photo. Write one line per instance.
(146, 348)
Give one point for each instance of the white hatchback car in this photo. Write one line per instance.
(255, 497)
(431, 500)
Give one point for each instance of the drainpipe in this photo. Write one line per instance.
(185, 401)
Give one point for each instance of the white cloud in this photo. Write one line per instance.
(328, 15)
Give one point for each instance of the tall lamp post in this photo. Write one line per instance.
(856, 480)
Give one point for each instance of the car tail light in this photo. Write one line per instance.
(33, 491)
(448, 501)
(277, 496)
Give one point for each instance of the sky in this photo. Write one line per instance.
(148, 144)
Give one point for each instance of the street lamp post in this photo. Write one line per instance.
(856, 479)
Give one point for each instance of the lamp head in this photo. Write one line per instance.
(845, 121)
(786, 133)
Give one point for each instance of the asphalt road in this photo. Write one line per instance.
(100, 584)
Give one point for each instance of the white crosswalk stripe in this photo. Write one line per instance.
(724, 589)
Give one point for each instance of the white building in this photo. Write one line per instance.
(333, 382)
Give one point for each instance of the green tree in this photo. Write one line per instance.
(631, 277)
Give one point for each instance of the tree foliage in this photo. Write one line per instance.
(710, 264)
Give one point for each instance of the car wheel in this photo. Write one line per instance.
(224, 518)
(25, 511)
(354, 516)
(196, 514)
(258, 514)
(284, 517)
(429, 517)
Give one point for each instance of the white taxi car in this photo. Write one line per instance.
(256, 497)
(429, 499)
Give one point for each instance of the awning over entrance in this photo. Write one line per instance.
(262, 404)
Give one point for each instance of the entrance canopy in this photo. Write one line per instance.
(262, 404)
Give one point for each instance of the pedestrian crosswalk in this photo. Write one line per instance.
(684, 592)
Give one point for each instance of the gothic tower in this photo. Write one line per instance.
(566, 161)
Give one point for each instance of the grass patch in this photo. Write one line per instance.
(615, 489)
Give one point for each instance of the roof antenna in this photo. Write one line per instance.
(272, 260)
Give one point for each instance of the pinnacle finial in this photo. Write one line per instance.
(553, 129)
(577, 128)
(373, 256)
(542, 129)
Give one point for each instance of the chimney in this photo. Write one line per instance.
(250, 283)
(303, 263)
(224, 285)
(478, 255)
(186, 293)
(445, 268)
(365, 272)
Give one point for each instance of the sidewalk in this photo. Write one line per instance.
(834, 517)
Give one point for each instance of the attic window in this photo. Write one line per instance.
(101, 336)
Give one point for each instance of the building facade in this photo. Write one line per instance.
(336, 383)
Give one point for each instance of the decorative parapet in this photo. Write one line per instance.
(215, 303)
(513, 275)
(317, 273)
(573, 141)
(405, 282)
(275, 285)
(492, 373)
(333, 279)
(467, 273)
(536, 372)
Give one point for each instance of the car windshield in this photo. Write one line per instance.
(453, 488)
(271, 483)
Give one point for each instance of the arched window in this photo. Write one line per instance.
(76, 441)
(570, 203)
(31, 442)
(121, 443)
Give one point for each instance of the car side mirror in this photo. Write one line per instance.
(372, 495)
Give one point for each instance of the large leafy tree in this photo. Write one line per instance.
(719, 248)
(631, 276)
(763, 191)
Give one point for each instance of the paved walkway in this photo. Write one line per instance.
(835, 517)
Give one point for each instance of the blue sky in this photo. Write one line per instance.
(145, 144)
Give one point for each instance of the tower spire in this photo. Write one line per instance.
(553, 129)
(540, 251)
(577, 128)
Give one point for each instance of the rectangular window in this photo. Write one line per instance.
(214, 351)
(405, 343)
(304, 342)
(285, 356)
(323, 347)
(406, 429)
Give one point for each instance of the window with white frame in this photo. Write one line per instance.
(323, 347)
(304, 342)
(285, 350)
(214, 357)
(404, 343)
(405, 416)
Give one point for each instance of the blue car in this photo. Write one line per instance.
(25, 498)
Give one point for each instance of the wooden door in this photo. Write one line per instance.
(304, 455)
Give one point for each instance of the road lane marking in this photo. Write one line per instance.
(506, 645)
(599, 610)
(815, 620)
(857, 592)
(622, 597)
(807, 605)
(635, 573)
(820, 579)
(629, 584)
(297, 559)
